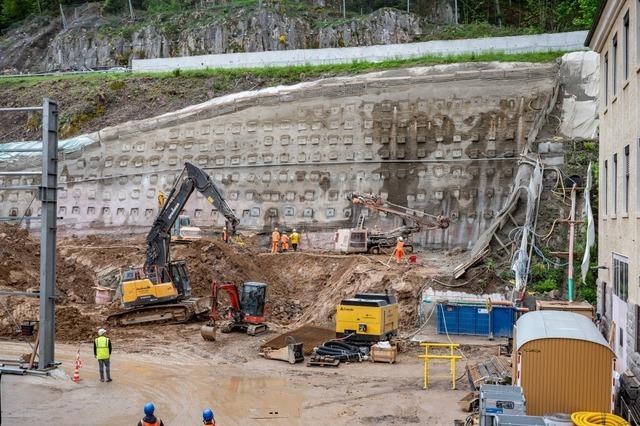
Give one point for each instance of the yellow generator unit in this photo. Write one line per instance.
(367, 317)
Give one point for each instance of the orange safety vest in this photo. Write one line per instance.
(275, 236)
(224, 235)
(157, 423)
(400, 246)
(284, 238)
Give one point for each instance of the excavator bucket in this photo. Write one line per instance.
(208, 332)
(292, 353)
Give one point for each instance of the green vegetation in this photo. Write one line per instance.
(479, 18)
(294, 74)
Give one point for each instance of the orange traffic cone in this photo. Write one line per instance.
(76, 374)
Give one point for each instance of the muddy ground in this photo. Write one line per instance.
(182, 374)
(173, 366)
(303, 287)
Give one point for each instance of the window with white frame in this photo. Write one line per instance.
(614, 184)
(625, 182)
(606, 186)
(606, 78)
(620, 276)
(614, 64)
(625, 41)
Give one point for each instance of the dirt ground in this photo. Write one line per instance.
(182, 374)
(173, 366)
(303, 287)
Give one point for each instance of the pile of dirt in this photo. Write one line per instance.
(20, 266)
(72, 325)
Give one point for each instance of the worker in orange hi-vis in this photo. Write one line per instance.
(275, 239)
(284, 242)
(399, 250)
(225, 235)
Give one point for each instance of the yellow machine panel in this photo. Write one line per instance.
(144, 292)
(367, 317)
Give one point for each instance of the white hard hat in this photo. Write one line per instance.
(400, 239)
(224, 227)
(294, 229)
(101, 332)
(276, 229)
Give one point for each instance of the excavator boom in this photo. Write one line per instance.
(159, 237)
(160, 290)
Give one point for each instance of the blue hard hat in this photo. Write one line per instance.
(149, 408)
(207, 415)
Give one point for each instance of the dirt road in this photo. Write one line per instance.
(229, 376)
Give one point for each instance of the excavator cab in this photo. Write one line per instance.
(157, 285)
(252, 299)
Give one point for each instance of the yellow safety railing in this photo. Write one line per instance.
(450, 356)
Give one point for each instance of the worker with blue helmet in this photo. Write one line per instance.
(149, 418)
(207, 417)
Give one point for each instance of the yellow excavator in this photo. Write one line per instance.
(160, 290)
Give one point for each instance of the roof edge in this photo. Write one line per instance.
(596, 21)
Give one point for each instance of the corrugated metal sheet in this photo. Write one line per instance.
(565, 375)
(557, 324)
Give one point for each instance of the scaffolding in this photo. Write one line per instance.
(48, 197)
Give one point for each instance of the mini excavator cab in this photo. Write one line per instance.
(246, 309)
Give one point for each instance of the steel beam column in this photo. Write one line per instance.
(48, 197)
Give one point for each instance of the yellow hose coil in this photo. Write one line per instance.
(587, 418)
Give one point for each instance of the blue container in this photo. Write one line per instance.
(475, 320)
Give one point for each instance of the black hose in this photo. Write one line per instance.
(340, 350)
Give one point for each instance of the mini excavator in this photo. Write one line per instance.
(160, 290)
(245, 313)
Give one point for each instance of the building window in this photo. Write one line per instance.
(606, 186)
(626, 180)
(621, 276)
(637, 328)
(625, 58)
(614, 184)
(606, 78)
(614, 65)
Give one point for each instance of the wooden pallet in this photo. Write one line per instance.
(496, 369)
(323, 361)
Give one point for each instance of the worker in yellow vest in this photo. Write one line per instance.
(102, 351)
(295, 239)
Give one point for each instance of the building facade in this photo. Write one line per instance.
(615, 36)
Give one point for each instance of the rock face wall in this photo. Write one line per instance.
(442, 139)
(90, 42)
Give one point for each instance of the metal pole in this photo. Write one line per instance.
(64, 20)
(407, 6)
(455, 5)
(48, 198)
(131, 11)
(344, 9)
(572, 220)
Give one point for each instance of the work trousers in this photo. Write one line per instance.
(399, 255)
(105, 369)
(295, 246)
(274, 247)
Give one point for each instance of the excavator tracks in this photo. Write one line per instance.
(175, 313)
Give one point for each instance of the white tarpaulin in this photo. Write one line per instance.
(591, 232)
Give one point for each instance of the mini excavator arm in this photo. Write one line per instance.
(159, 237)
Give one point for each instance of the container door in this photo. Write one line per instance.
(447, 319)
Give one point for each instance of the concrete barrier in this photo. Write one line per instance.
(515, 44)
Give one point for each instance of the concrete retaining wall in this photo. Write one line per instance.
(516, 44)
